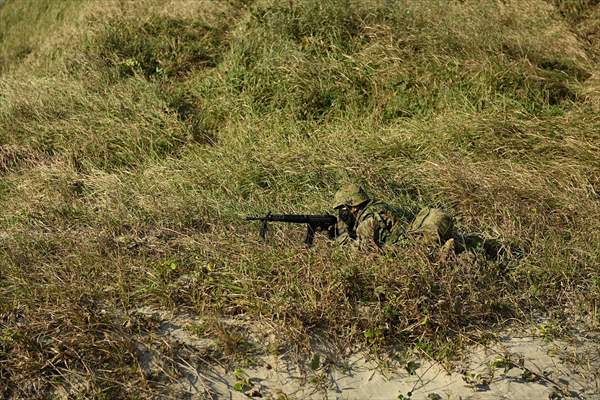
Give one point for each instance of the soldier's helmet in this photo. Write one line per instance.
(350, 195)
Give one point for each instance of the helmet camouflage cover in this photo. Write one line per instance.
(350, 195)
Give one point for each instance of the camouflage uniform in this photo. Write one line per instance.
(378, 224)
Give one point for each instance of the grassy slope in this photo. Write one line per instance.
(134, 138)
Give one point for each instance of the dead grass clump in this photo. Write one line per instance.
(574, 10)
(402, 298)
(131, 122)
(66, 349)
(80, 349)
(13, 157)
(589, 30)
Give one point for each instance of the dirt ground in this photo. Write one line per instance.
(520, 365)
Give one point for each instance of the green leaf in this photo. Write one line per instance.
(411, 367)
(502, 362)
(315, 362)
(240, 386)
(240, 374)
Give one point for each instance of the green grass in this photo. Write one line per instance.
(135, 138)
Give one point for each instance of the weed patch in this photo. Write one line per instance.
(202, 124)
(159, 47)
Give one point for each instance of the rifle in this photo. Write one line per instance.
(314, 223)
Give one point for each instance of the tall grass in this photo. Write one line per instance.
(135, 137)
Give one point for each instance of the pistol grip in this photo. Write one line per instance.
(310, 235)
(264, 228)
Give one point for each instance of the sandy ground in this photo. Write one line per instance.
(518, 366)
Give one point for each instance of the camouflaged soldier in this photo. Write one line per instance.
(372, 223)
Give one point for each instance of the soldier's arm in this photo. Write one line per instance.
(367, 233)
(342, 234)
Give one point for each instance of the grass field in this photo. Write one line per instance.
(135, 136)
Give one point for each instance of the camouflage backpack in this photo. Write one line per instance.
(432, 224)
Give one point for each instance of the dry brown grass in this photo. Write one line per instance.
(127, 164)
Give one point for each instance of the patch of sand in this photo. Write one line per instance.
(536, 369)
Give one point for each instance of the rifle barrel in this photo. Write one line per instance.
(296, 218)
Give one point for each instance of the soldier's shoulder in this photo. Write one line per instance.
(381, 208)
(373, 208)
